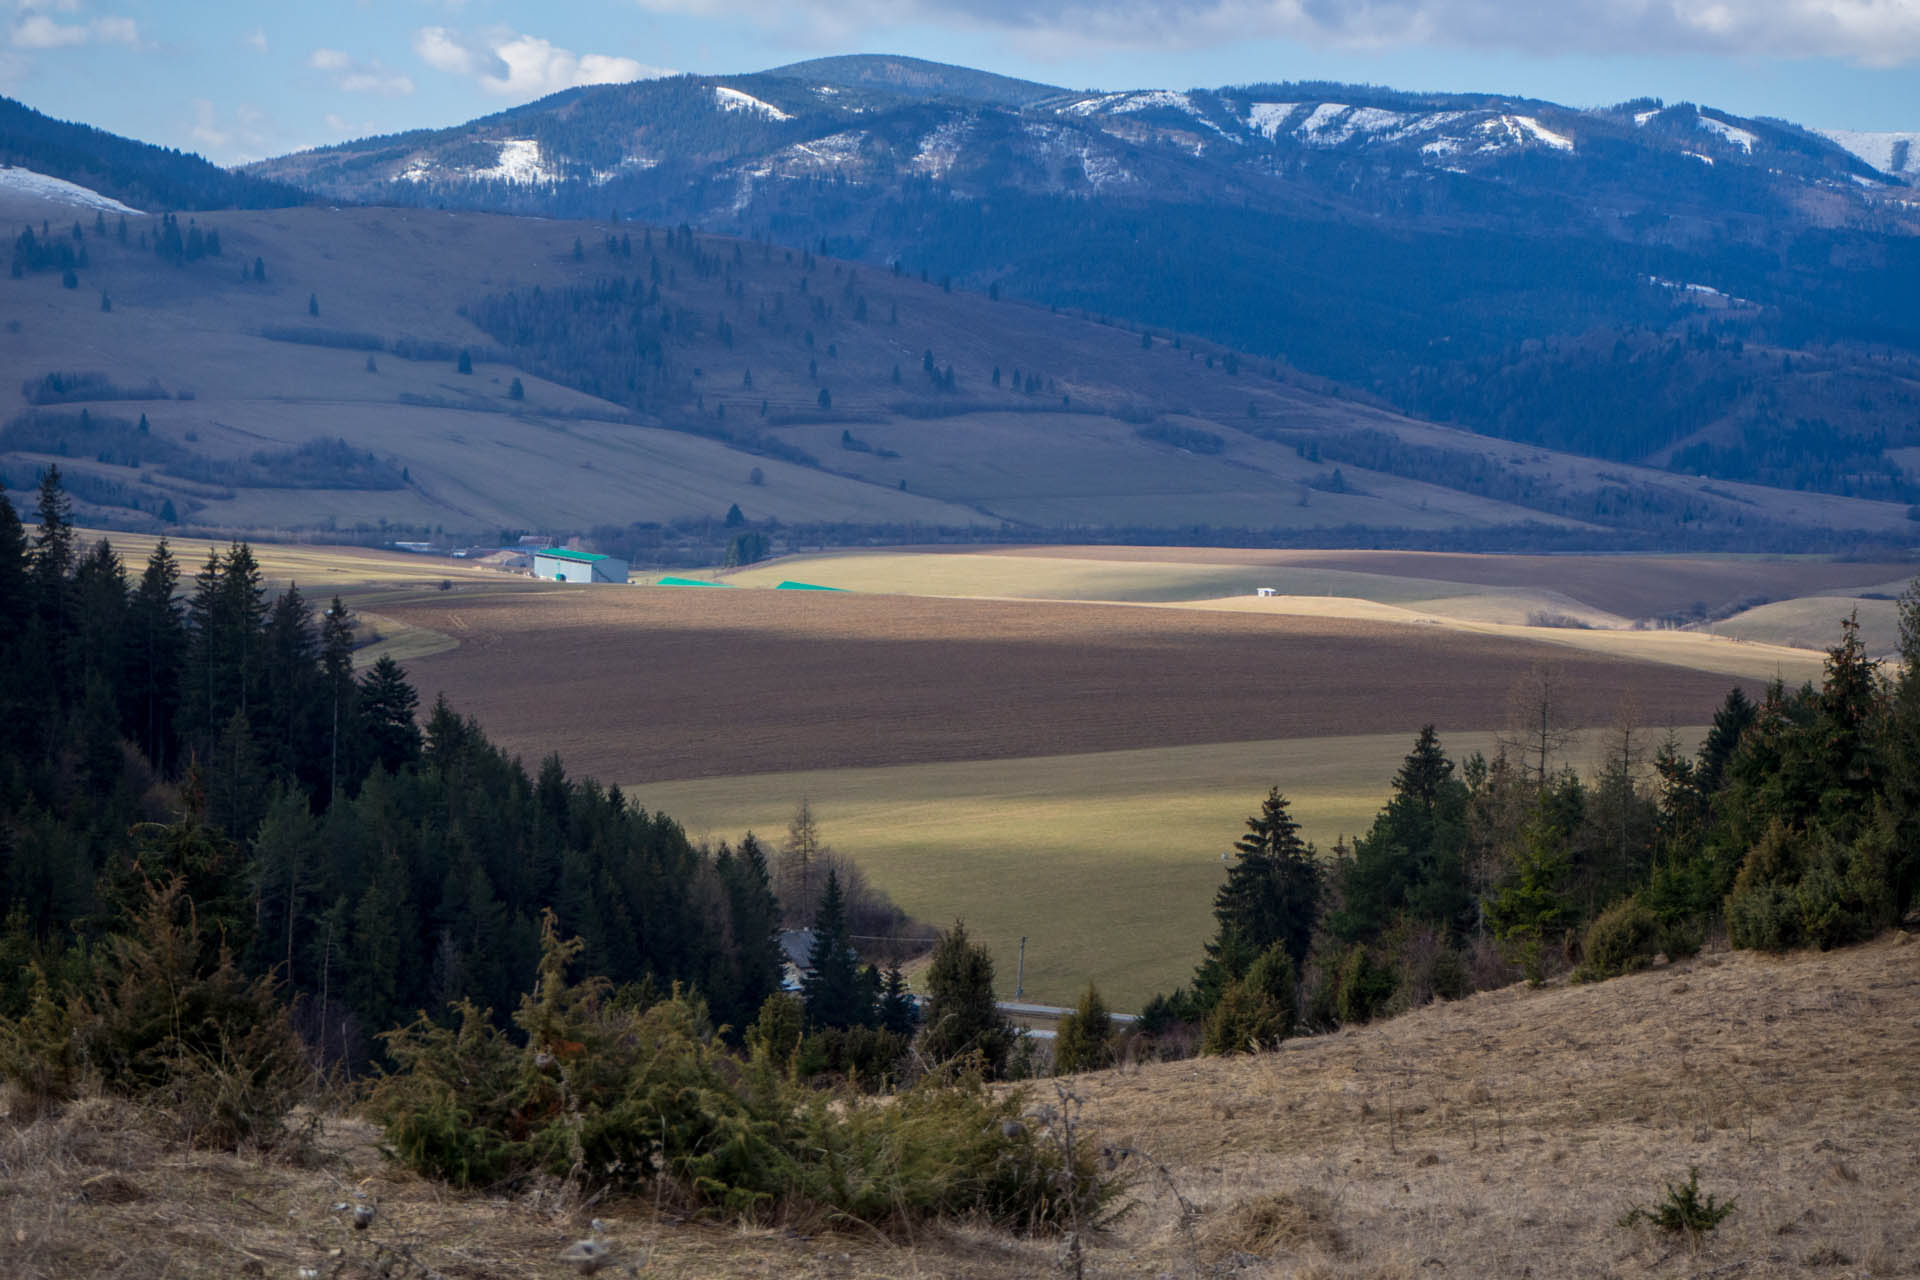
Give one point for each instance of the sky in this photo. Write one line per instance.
(239, 80)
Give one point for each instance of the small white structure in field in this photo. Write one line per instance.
(557, 565)
(1263, 591)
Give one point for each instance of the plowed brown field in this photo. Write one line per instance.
(659, 683)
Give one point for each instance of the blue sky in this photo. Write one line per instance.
(237, 81)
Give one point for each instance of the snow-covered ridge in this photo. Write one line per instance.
(734, 100)
(1124, 103)
(1892, 153)
(1332, 124)
(27, 182)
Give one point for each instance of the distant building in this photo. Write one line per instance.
(796, 957)
(1263, 591)
(557, 565)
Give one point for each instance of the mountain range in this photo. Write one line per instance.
(1664, 288)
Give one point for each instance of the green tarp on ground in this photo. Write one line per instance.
(805, 586)
(691, 582)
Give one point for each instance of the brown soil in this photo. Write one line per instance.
(652, 684)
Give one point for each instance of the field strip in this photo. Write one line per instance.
(1106, 862)
(1718, 654)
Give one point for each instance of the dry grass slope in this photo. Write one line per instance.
(1500, 1136)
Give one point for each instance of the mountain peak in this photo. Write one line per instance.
(917, 77)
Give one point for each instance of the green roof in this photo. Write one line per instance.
(582, 557)
(691, 582)
(791, 585)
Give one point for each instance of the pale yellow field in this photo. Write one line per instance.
(1813, 621)
(1107, 863)
(1764, 650)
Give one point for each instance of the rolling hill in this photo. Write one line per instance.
(297, 371)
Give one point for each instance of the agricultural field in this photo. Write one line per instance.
(1058, 769)
(1105, 862)
(648, 684)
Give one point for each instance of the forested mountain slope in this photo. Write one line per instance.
(1477, 258)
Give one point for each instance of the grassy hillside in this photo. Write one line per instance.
(1503, 1134)
(740, 375)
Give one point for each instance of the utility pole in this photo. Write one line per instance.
(1020, 974)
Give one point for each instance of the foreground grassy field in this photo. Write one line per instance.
(1106, 863)
(1503, 1135)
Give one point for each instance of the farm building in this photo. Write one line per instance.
(557, 565)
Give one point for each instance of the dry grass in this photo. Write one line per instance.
(1506, 1134)
(1500, 1136)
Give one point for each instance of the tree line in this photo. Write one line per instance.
(1795, 824)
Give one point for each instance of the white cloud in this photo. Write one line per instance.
(511, 65)
(353, 76)
(1876, 32)
(232, 137)
(35, 30)
(256, 39)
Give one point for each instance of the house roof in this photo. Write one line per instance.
(579, 557)
(797, 946)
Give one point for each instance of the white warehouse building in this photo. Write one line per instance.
(557, 565)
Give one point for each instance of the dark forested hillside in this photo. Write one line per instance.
(375, 863)
(147, 177)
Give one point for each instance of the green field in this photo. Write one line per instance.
(1106, 863)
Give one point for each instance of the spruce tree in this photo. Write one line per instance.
(387, 703)
(898, 1012)
(962, 1016)
(155, 647)
(831, 988)
(1272, 892)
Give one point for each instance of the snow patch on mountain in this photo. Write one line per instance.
(835, 152)
(1734, 134)
(1127, 103)
(1103, 171)
(518, 164)
(27, 182)
(1640, 118)
(941, 149)
(1890, 153)
(1540, 132)
(734, 100)
(1266, 118)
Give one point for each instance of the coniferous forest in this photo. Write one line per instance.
(171, 719)
(1795, 824)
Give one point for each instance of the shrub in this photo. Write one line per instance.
(1084, 1039)
(1449, 975)
(1684, 1209)
(1798, 890)
(164, 1017)
(1363, 988)
(1621, 939)
(616, 1098)
(1259, 1010)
